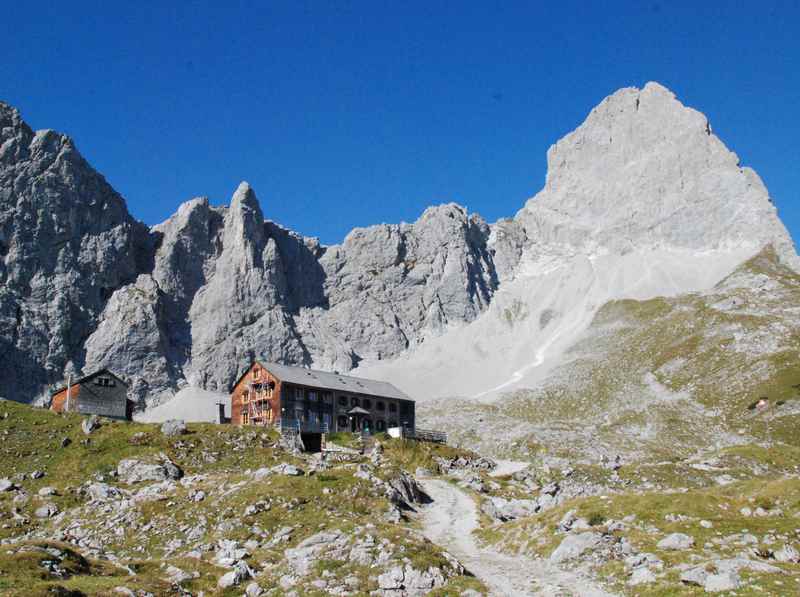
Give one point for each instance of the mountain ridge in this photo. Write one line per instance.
(211, 288)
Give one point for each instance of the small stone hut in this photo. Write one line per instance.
(102, 393)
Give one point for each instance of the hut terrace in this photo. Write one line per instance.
(311, 401)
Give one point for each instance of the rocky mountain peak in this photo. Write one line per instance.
(642, 199)
(644, 171)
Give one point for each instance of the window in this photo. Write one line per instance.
(312, 396)
(355, 401)
(367, 403)
(245, 396)
(342, 400)
(244, 418)
(392, 407)
(327, 398)
(106, 382)
(342, 422)
(256, 373)
(380, 425)
(380, 406)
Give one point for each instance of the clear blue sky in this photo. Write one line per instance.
(343, 114)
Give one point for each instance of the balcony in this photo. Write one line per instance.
(303, 426)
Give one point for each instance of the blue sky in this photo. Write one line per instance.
(344, 114)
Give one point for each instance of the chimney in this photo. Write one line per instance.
(69, 392)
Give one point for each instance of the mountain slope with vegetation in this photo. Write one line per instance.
(216, 510)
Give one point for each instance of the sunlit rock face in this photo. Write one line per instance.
(66, 243)
(641, 200)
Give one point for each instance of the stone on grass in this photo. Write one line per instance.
(787, 554)
(134, 471)
(641, 576)
(694, 576)
(173, 427)
(240, 573)
(574, 546)
(676, 542)
(724, 581)
(46, 511)
(90, 424)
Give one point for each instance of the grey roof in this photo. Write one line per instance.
(75, 382)
(334, 381)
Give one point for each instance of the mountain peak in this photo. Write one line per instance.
(644, 171)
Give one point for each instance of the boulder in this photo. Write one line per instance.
(240, 573)
(173, 427)
(90, 424)
(723, 581)
(787, 554)
(574, 546)
(229, 552)
(46, 511)
(503, 509)
(135, 471)
(641, 576)
(403, 491)
(694, 576)
(676, 542)
(286, 469)
(101, 492)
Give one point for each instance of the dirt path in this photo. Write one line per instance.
(449, 521)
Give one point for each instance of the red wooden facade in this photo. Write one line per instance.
(256, 398)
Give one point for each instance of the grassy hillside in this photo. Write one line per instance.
(103, 533)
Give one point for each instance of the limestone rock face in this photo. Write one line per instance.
(66, 243)
(641, 200)
(645, 171)
(389, 287)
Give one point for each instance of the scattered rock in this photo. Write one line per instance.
(724, 581)
(173, 427)
(574, 546)
(694, 576)
(229, 552)
(641, 576)
(787, 554)
(46, 511)
(240, 573)
(676, 542)
(176, 575)
(134, 471)
(90, 424)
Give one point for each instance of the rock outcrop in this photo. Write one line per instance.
(67, 242)
(641, 200)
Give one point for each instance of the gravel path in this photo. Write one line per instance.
(449, 521)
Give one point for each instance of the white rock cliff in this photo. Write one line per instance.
(641, 200)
